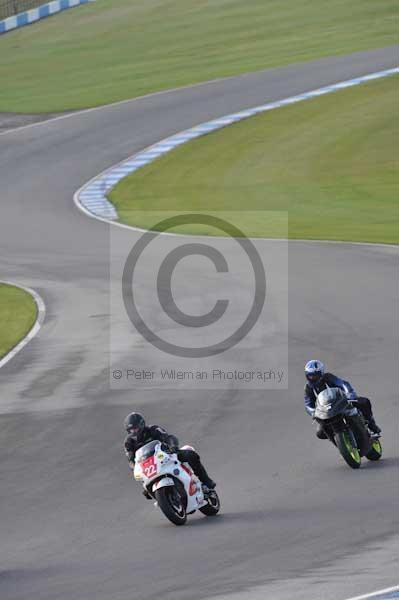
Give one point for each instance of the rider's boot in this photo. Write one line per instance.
(191, 457)
(204, 477)
(372, 425)
(208, 483)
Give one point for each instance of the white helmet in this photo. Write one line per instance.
(314, 370)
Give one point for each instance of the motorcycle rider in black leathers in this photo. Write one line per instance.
(318, 380)
(139, 434)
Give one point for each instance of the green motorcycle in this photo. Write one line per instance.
(346, 428)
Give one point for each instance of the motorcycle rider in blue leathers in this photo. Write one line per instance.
(318, 380)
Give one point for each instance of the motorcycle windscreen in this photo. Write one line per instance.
(331, 408)
(146, 451)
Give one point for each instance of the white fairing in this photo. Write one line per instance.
(164, 482)
(163, 469)
(326, 397)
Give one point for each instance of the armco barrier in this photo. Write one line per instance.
(36, 14)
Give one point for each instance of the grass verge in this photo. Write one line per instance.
(18, 313)
(115, 49)
(331, 164)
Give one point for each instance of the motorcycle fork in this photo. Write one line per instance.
(330, 434)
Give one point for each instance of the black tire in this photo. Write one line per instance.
(349, 452)
(171, 504)
(375, 451)
(212, 508)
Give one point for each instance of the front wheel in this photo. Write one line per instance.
(212, 508)
(346, 444)
(375, 451)
(171, 504)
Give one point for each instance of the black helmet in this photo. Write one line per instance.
(135, 425)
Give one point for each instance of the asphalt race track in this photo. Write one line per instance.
(296, 521)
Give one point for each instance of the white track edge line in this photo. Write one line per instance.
(377, 593)
(82, 111)
(305, 96)
(41, 313)
(189, 86)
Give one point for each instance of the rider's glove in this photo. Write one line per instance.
(170, 446)
(173, 443)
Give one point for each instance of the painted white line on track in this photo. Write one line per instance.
(91, 197)
(83, 111)
(378, 595)
(41, 313)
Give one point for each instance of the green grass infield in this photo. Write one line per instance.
(116, 49)
(18, 312)
(330, 164)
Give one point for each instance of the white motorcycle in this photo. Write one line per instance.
(177, 490)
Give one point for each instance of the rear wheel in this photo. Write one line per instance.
(212, 508)
(347, 446)
(375, 451)
(171, 503)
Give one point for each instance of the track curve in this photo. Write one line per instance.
(34, 330)
(73, 525)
